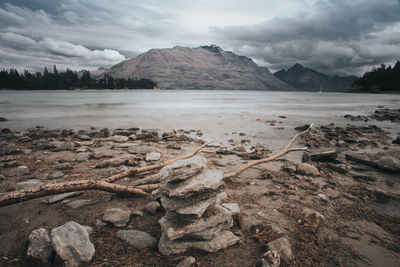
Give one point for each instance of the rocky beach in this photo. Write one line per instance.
(339, 205)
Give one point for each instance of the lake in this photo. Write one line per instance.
(216, 113)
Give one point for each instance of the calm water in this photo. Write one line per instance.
(217, 113)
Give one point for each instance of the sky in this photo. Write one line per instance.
(338, 37)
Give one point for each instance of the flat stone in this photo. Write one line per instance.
(232, 207)
(324, 156)
(60, 197)
(72, 244)
(284, 248)
(307, 169)
(60, 146)
(175, 228)
(84, 156)
(209, 233)
(10, 149)
(79, 203)
(137, 239)
(173, 145)
(140, 150)
(247, 222)
(32, 183)
(19, 171)
(56, 175)
(2, 177)
(188, 261)
(361, 158)
(40, 248)
(182, 169)
(115, 162)
(221, 241)
(181, 203)
(84, 137)
(118, 217)
(197, 209)
(119, 138)
(153, 156)
(389, 164)
(207, 179)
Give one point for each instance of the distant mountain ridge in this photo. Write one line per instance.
(306, 79)
(204, 67)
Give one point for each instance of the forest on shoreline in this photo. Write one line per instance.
(382, 79)
(67, 80)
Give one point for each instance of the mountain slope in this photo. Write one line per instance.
(305, 79)
(206, 67)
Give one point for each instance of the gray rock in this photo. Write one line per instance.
(152, 207)
(79, 203)
(140, 150)
(289, 168)
(307, 169)
(361, 158)
(232, 207)
(84, 137)
(188, 261)
(2, 177)
(10, 149)
(19, 171)
(249, 221)
(82, 156)
(153, 156)
(118, 217)
(32, 183)
(182, 169)
(221, 241)
(119, 138)
(60, 146)
(137, 239)
(207, 179)
(324, 156)
(72, 244)
(173, 145)
(209, 233)
(389, 164)
(115, 162)
(109, 171)
(181, 203)
(282, 246)
(175, 228)
(40, 248)
(55, 175)
(60, 197)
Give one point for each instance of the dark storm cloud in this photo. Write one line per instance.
(333, 36)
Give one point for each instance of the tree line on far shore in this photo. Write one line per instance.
(58, 80)
(379, 80)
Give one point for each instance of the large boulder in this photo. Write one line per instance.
(32, 183)
(72, 244)
(137, 239)
(40, 248)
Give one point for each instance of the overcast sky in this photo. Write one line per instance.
(333, 36)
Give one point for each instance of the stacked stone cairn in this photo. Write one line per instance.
(190, 193)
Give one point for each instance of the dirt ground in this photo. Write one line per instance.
(360, 203)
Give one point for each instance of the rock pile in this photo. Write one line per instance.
(194, 219)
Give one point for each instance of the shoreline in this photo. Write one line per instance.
(355, 199)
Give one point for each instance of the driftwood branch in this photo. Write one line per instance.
(286, 150)
(58, 188)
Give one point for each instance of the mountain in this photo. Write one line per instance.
(305, 79)
(205, 67)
